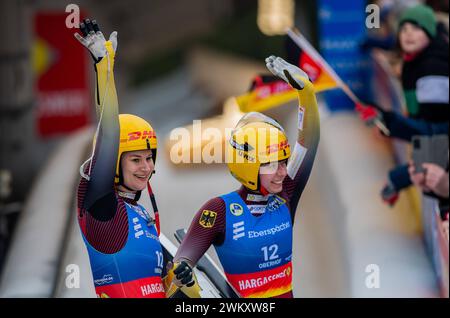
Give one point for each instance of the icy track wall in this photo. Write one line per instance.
(40, 236)
(380, 249)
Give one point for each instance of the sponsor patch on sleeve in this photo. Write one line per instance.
(301, 117)
(296, 160)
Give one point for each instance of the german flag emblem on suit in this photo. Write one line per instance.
(208, 218)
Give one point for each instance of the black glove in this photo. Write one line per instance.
(184, 275)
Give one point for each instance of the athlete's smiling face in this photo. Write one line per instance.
(137, 167)
(272, 175)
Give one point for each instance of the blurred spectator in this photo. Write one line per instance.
(384, 36)
(440, 8)
(434, 182)
(425, 69)
(438, 5)
(425, 86)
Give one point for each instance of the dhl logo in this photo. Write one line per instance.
(140, 135)
(277, 147)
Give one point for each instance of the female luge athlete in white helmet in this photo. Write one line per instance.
(251, 228)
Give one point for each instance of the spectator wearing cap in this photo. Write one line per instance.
(425, 86)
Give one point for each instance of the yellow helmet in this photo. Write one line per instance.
(256, 140)
(135, 134)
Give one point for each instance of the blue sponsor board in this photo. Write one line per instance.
(341, 30)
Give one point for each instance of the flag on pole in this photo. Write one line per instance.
(266, 92)
(304, 45)
(269, 94)
(314, 61)
(269, 91)
(304, 55)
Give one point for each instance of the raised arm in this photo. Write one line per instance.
(302, 159)
(101, 169)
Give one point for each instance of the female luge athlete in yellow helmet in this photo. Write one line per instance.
(251, 228)
(120, 235)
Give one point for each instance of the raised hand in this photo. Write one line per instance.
(291, 74)
(374, 115)
(94, 40)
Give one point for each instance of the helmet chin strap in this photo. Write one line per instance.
(154, 206)
(263, 191)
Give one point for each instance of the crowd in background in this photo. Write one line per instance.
(414, 38)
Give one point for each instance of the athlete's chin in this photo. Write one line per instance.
(142, 187)
(138, 186)
(275, 189)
